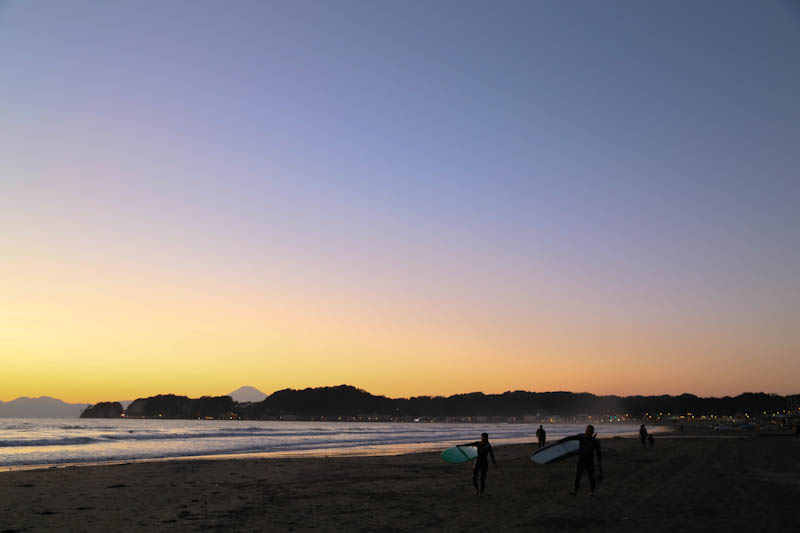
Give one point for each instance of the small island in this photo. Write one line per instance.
(103, 410)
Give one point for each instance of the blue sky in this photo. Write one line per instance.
(577, 164)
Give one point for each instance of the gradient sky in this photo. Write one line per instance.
(410, 197)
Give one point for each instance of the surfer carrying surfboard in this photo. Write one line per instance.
(482, 461)
(589, 446)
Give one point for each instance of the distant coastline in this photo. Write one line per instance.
(348, 403)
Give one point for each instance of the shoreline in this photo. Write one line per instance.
(352, 451)
(312, 454)
(661, 432)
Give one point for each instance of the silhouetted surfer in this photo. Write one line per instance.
(482, 462)
(541, 435)
(589, 446)
(643, 436)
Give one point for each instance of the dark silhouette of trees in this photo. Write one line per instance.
(348, 401)
(172, 406)
(103, 410)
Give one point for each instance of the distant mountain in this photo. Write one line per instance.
(247, 394)
(42, 407)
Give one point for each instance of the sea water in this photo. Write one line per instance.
(31, 442)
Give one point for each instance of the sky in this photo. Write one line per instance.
(410, 197)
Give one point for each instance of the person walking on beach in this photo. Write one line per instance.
(482, 462)
(643, 436)
(541, 435)
(589, 447)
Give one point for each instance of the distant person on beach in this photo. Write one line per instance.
(643, 436)
(589, 447)
(541, 435)
(651, 440)
(482, 462)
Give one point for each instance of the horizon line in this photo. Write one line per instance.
(44, 396)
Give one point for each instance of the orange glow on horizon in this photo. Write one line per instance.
(87, 338)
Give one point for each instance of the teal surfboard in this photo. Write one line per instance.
(459, 454)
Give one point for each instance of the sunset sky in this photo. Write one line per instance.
(409, 197)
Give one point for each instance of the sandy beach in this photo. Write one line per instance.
(685, 483)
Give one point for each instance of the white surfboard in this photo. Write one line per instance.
(555, 452)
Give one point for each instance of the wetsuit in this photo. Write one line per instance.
(643, 436)
(589, 446)
(541, 435)
(481, 463)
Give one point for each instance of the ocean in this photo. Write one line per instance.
(38, 442)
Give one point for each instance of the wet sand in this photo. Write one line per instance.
(683, 484)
